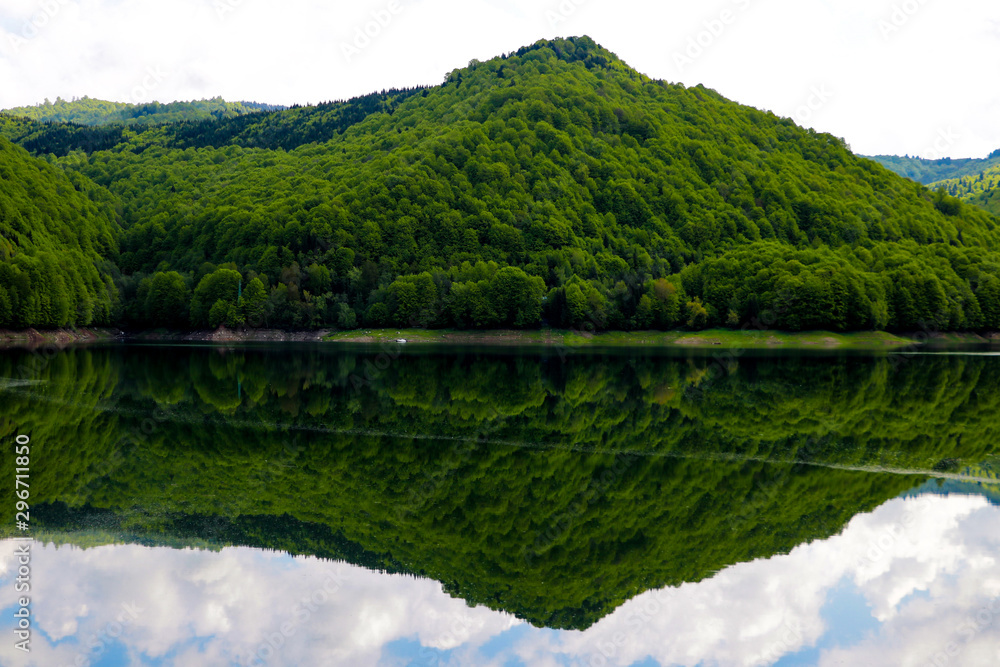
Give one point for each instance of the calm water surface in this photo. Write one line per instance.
(329, 506)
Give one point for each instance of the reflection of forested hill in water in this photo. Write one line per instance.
(981, 480)
(553, 489)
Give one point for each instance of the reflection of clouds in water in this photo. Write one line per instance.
(926, 567)
(239, 600)
(753, 613)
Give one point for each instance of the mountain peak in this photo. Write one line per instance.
(574, 49)
(570, 50)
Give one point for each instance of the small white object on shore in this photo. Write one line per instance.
(400, 340)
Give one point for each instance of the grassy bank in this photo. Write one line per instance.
(679, 339)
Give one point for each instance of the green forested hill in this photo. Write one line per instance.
(58, 240)
(931, 171)
(982, 189)
(554, 184)
(87, 111)
(269, 128)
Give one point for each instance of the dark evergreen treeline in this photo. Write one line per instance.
(59, 139)
(553, 185)
(284, 129)
(554, 490)
(258, 126)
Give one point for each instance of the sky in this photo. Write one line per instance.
(909, 77)
(916, 582)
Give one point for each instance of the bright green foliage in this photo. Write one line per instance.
(346, 317)
(981, 189)
(552, 489)
(506, 297)
(254, 303)
(578, 305)
(165, 298)
(377, 315)
(771, 285)
(218, 313)
(581, 181)
(214, 295)
(516, 298)
(696, 313)
(414, 298)
(659, 306)
(989, 300)
(57, 245)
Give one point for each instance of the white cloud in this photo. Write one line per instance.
(925, 566)
(755, 613)
(241, 600)
(893, 91)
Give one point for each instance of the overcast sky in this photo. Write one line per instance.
(890, 76)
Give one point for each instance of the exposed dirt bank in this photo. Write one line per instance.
(32, 338)
(224, 335)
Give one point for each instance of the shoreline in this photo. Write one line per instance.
(678, 340)
(34, 338)
(710, 339)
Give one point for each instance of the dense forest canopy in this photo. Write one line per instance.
(553, 489)
(982, 189)
(58, 242)
(554, 185)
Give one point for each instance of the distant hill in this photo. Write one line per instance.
(87, 111)
(272, 128)
(553, 185)
(982, 189)
(931, 171)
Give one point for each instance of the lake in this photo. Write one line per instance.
(423, 506)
